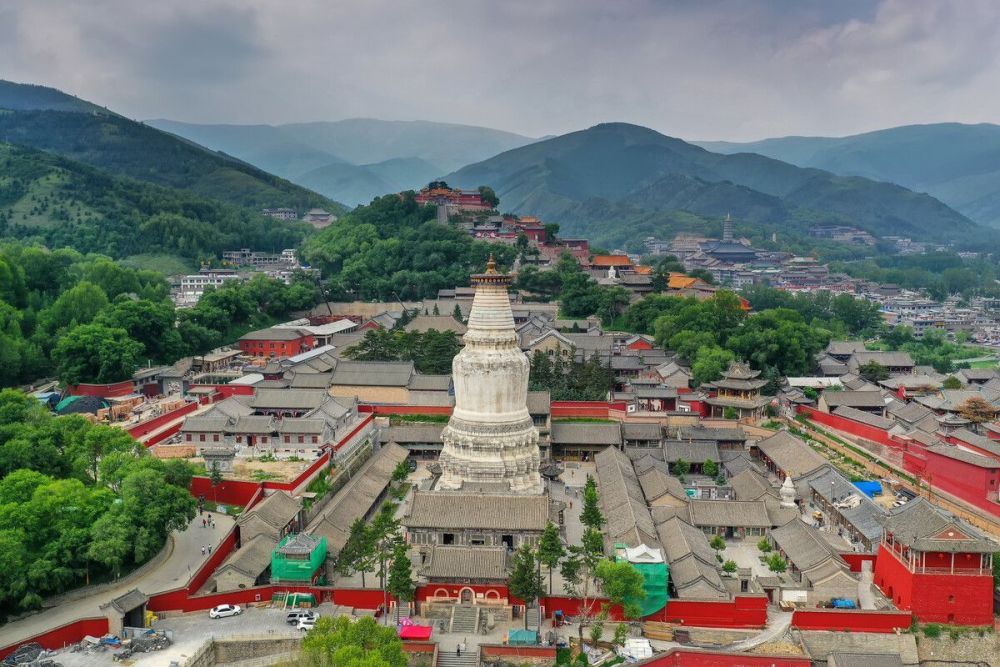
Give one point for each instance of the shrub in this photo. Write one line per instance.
(932, 631)
(729, 566)
(764, 545)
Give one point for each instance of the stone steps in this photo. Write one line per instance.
(447, 658)
(532, 615)
(465, 619)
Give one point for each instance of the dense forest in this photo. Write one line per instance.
(393, 249)
(62, 203)
(430, 351)
(124, 147)
(86, 318)
(79, 503)
(940, 273)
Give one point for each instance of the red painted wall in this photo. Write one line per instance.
(357, 429)
(740, 612)
(229, 492)
(123, 388)
(319, 463)
(165, 434)
(519, 651)
(964, 599)
(155, 423)
(277, 348)
(425, 591)
(64, 635)
(379, 409)
(852, 620)
(849, 426)
(679, 657)
(598, 409)
(855, 560)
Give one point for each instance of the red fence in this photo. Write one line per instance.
(317, 465)
(224, 391)
(850, 426)
(357, 429)
(851, 620)
(855, 560)
(748, 611)
(380, 409)
(228, 492)
(593, 409)
(679, 657)
(64, 635)
(150, 425)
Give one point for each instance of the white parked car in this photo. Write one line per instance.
(224, 610)
(306, 624)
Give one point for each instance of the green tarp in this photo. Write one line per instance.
(522, 637)
(654, 576)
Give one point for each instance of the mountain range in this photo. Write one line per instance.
(958, 164)
(615, 181)
(352, 160)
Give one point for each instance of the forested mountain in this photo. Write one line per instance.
(61, 202)
(353, 160)
(958, 164)
(114, 143)
(620, 182)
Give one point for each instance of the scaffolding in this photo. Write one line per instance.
(297, 558)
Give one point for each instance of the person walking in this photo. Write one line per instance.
(209, 549)
(458, 650)
(203, 551)
(203, 523)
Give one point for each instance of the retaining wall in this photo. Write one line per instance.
(851, 620)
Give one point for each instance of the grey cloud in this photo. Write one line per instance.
(696, 69)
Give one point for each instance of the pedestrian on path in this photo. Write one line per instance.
(203, 551)
(458, 650)
(210, 549)
(203, 523)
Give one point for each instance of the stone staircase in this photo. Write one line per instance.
(403, 609)
(447, 658)
(464, 619)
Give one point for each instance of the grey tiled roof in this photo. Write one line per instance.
(276, 510)
(250, 559)
(953, 452)
(205, 423)
(253, 424)
(275, 333)
(288, 399)
(699, 432)
(820, 644)
(692, 561)
(691, 451)
(808, 551)
(656, 483)
(622, 500)
(866, 517)
(864, 660)
(736, 513)
(751, 485)
(854, 399)
(373, 373)
(291, 425)
(791, 455)
(863, 417)
(414, 433)
(310, 380)
(462, 511)
(430, 382)
(460, 562)
(586, 433)
(641, 431)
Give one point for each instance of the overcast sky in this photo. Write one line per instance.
(697, 69)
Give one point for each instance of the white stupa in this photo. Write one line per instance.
(490, 442)
(787, 493)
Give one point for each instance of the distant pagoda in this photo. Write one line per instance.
(739, 389)
(490, 442)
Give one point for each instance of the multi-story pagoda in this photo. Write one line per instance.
(739, 389)
(490, 442)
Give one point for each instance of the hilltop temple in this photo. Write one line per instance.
(490, 442)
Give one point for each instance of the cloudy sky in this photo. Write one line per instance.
(698, 69)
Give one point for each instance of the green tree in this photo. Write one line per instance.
(776, 563)
(680, 468)
(550, 549)
(353, 642)
(525, 581)
(591, 515)
(729, 566)
(216, 479)
(951, 382)
(977, 410)
(622, 583)
(709, 363)
(764, 545)
(400, 576)
(873, 371)
(578, 572)
(717, 543)
(487, 194)
(709, 468)
(358, 554)
(96, 353)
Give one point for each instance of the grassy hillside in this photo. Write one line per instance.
(617, 175)
(958, 164)
(60, 202)
(128, 148)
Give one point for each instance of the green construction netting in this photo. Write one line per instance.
(299, 561)
(654, 582)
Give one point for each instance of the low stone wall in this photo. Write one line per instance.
(969, 649)
(249, 651)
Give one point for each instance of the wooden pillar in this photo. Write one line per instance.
(953, 562)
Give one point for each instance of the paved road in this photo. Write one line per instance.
(175, 571)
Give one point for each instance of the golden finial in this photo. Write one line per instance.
(491, 266)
